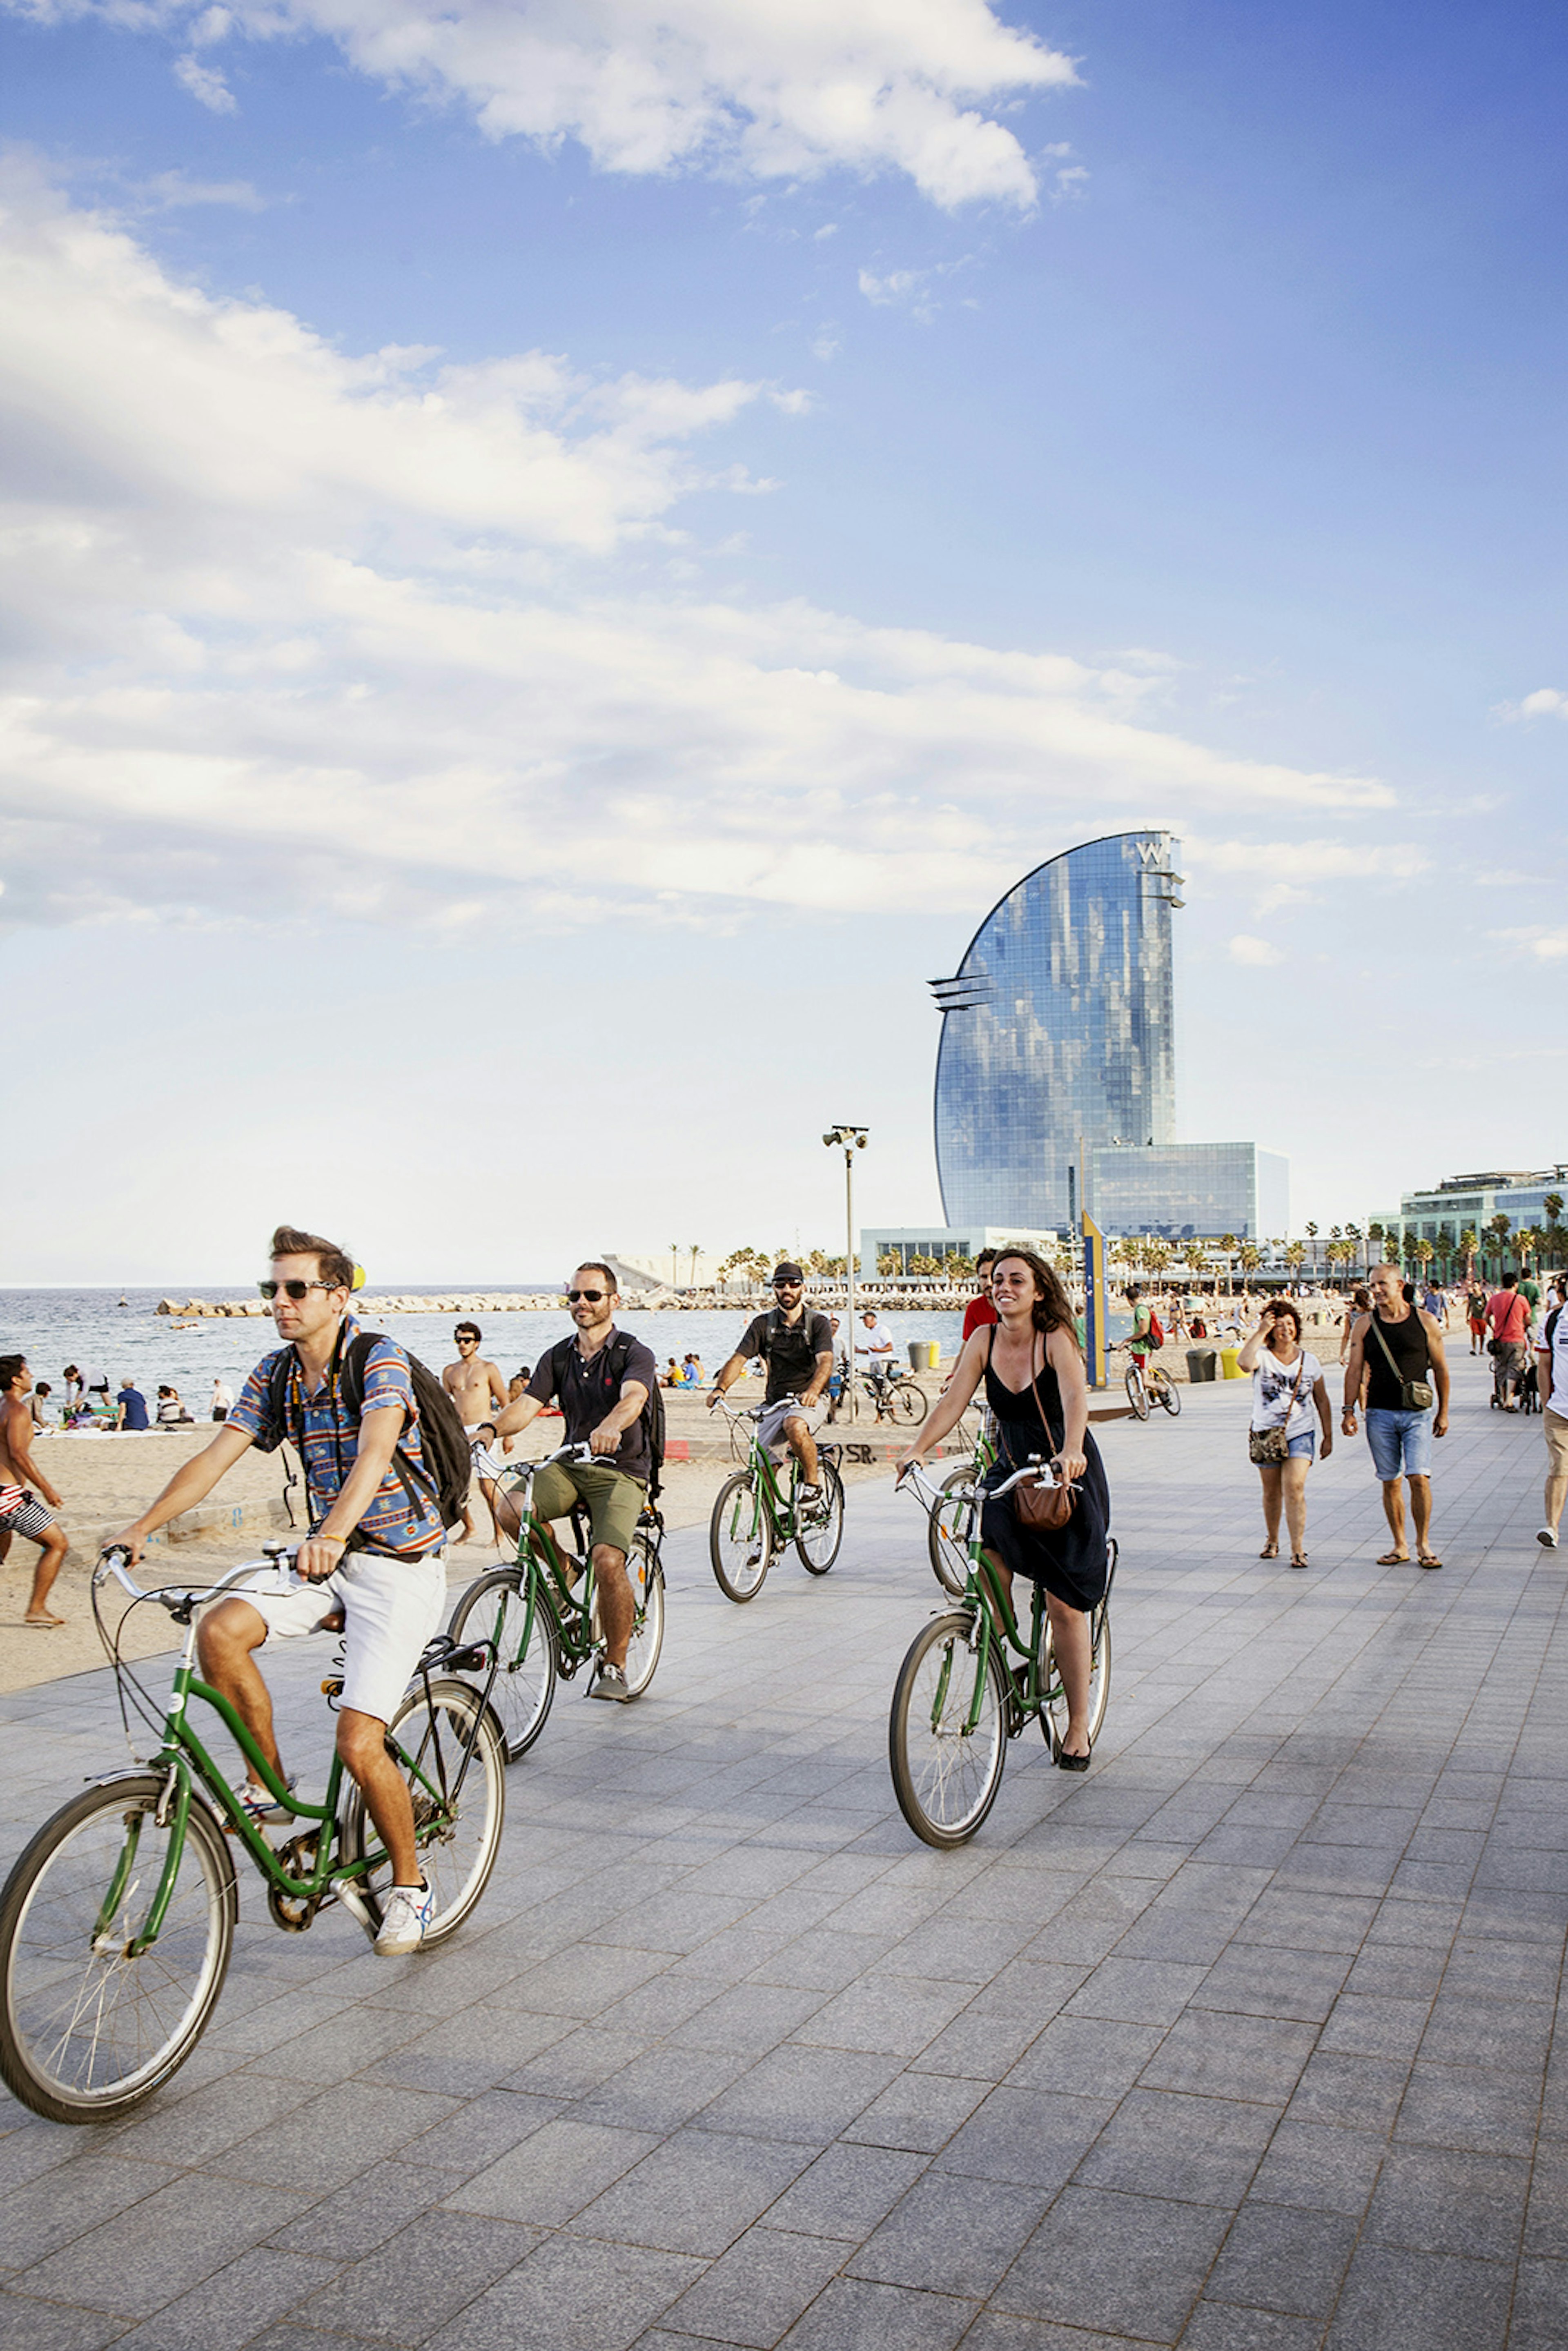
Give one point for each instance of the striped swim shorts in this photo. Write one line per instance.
(22, 1513)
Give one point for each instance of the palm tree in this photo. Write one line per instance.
(1295, 1255)
(674, 1261)
(1501, 1227)
(1312, 1234)
(1251, 1258)
(1230, 1244)
(1376, 1237)
(1353, 1234)
(1470, 1241)
(889, 1263)
(1552, 1204)
(1425, 1253)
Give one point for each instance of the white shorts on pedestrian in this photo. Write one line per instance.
(390, 1608)
(770, 1428)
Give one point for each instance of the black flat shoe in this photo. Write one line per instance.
(1065, 1763)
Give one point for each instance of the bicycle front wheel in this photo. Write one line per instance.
(1137, 1394)
(457, 1827)
(946, 1774)
(646, 1576)
(740, 1538)
(818, 1543)
(89, 2028)
(952, 1528)
(909, 1403)
(1165, 1392)
(496, 1608)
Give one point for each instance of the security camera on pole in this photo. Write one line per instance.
(850, 1139)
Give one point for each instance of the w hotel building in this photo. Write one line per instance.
(1056, 1070)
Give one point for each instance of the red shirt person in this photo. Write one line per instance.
(979, 1311)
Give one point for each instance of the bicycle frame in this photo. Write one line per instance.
(543, 1565)
(182, 1755)
(993, 1621)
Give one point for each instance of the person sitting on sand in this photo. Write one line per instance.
(172, 1413)
(21, 1511)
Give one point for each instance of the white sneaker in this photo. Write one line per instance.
(404, 1920)
(1546, 1539)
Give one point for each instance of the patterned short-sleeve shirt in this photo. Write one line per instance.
(394, 1521)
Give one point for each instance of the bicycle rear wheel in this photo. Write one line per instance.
(457, 1829)
(740, 1537)
(951, 1527)
(496, 1608)
(1138, 1393)
(909, 1401)
(646, 1575)
(818, 1543)
(945, 1774)
(88, 2031)
(1165, 1391)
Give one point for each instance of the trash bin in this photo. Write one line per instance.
(933, 1354)
(924, 1354)
(1230, 1357)
(1200, 1362)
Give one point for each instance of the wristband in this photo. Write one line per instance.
(342, 1540)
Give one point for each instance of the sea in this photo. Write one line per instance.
(120, 1332)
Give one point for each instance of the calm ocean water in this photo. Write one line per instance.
(90, 1328)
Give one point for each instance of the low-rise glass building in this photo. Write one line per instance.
(1468, 1203)
(1192, 1191)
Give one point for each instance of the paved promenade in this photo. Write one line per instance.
(1244, 2042)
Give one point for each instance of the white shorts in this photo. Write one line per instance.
(770, 1428)
(390, 1606)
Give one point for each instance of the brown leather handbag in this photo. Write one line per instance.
(1044, 1510)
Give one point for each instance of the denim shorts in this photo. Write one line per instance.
(1305, 1445)
(1401, 1442)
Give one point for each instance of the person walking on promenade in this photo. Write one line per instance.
(1394, 1348)
(798, 1349)
(474, 1387)
(981, 1309)
(221, 1402)
(1551, 1386)
(373, 1562)
(602, 1379)
(1476, 1315)
(1361, 1304)
(1508, 1312)
(1288, 1384)
(21, 1511)
(1036, 1387)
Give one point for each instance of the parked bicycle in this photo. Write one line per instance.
(540, 1627)
(753, 1515)
(117, 1921)
(892, 1395)
(970, 1681)
(1149, 1387)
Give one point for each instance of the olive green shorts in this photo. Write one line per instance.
(614, 1501)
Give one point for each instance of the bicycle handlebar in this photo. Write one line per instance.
(1036, 1472)
(113, 1561)
(486, 1463)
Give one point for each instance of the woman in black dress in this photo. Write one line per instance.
(1036, 1390)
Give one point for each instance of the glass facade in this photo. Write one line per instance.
(1059, 1025)
(907, 1242)
(1193, 1191)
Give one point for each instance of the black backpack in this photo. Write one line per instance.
(445, 1470)
(652, 1412)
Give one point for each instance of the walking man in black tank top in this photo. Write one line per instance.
(1396, 1348)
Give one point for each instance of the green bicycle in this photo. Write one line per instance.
(117, 1921)
(970, 1682)
(527, 1614)
(956, 1514)
(753, 1515)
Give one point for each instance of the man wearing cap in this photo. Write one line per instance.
(798, 1349)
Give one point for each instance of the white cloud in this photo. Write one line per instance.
(743, 87)
(173, 191)
(292, 629)
(1546, 945)
(1244, 949)
(1297, 861)
(897, 287)
(206, 84)
(1545, 703)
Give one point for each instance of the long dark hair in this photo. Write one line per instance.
(1052, 1308)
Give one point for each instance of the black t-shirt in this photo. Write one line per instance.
(588, 1390)
(1407, 1345)
(791, 1352)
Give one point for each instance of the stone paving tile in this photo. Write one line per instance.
(1262, 2000)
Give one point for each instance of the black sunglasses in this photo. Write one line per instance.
(592, 1296)
(294, 1290)
(787, 1285)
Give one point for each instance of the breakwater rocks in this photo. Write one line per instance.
(643, 1301)
(195, 1309)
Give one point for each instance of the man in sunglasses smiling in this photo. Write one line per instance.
(373, 1562)
(602, 1379)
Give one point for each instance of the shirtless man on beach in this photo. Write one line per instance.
(476, 1388)
(21, 1511)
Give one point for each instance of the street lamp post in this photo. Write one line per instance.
(849, 1140)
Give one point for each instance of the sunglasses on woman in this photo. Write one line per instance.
(294, 1290)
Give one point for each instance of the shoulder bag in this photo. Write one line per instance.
(1266, 1445)
(1415, 1395)
(1043, 1510)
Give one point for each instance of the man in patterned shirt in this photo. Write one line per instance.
(373, 1562)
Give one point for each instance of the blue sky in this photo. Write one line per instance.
(536, 620)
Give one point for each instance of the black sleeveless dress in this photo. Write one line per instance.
(1070, 1563)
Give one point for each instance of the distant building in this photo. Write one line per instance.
(907, 1242)
(1468, 1203)
(1056, 1069)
